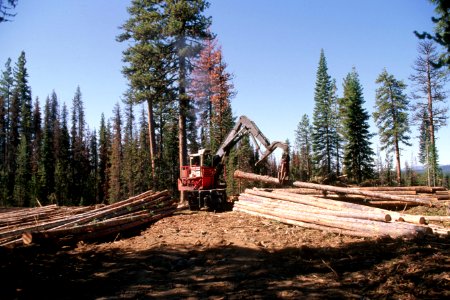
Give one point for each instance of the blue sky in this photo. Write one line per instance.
(271, 47)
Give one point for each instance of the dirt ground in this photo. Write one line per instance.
(230, 255)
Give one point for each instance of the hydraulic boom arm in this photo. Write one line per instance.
(246, 126)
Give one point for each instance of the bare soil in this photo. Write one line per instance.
(230, 255)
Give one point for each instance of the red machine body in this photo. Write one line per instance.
(200, 181)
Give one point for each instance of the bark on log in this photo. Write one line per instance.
(269, 202)
(256, 177)
(336, 205)
(305, 224)
(371, 194)
(418, 189)
(335, 189)
(118, 208)
(97, 230)
(378, 228)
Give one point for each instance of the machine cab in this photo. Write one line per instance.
(199, 174)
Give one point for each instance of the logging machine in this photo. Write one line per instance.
(200, 181)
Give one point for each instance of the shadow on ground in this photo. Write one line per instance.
(385, 268)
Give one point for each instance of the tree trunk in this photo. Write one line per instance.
(184, 105)
(397, 161)
(152, 139)
(432, 164)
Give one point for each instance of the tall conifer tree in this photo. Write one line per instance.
(304, 148)
(429, 82)
(116, 159)
(63, 174)
(391, 116)
(103, 152)
(22, 100)
(324, 131)
(358, 154)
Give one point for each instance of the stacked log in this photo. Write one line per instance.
(330, 215)
(309, 205)
(64, 225)
(378, 196)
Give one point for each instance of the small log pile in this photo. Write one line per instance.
(310, 206)
(64, 225)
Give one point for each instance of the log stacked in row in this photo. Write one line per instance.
(67, 225)
(330, 215)
(384, 196)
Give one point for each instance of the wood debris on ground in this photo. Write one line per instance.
(333, 209)
(71, 224)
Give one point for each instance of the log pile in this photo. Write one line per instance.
(379, 196)
(310, 206)
(64, 225)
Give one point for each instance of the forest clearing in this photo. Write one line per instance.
(177, 194)
(233, 254)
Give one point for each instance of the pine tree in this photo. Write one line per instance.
(103, 165)
(6, 89)
(21, 101)
(211, 89)
(22, 177)
(242, 157)
(143, 163)
(170, 158)
(149, 61)
(391, 116)
(336, 128)
(79, 151)
(63, 174)
(429, 82)
(6, 7)
(36, 147)
(92, 183)
(46, 171)
(358, 154)
(304, 148)
(116, 159)
(7, 160)
(129, 153)
(441, 31)
(186, 26)
(324, 133)
(3, 133)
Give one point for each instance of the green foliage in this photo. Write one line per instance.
(358, 154)
(116, 160)
(324, 134)
(391, 116)
(429, 82)
(302, 158)
(5, 10)
(441, 31)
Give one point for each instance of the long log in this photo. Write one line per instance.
(371, 194)
(256, 177)
(270, 202)
(335, 205)
(417, 189)
(118, 208)
(379, 228)
(97, 230)
(65, 217)
(329, 188)
(305, 224)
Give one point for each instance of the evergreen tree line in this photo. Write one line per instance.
(49, 154)
(337, 140)
(173, 65)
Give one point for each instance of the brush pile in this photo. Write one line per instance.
(66, 225)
